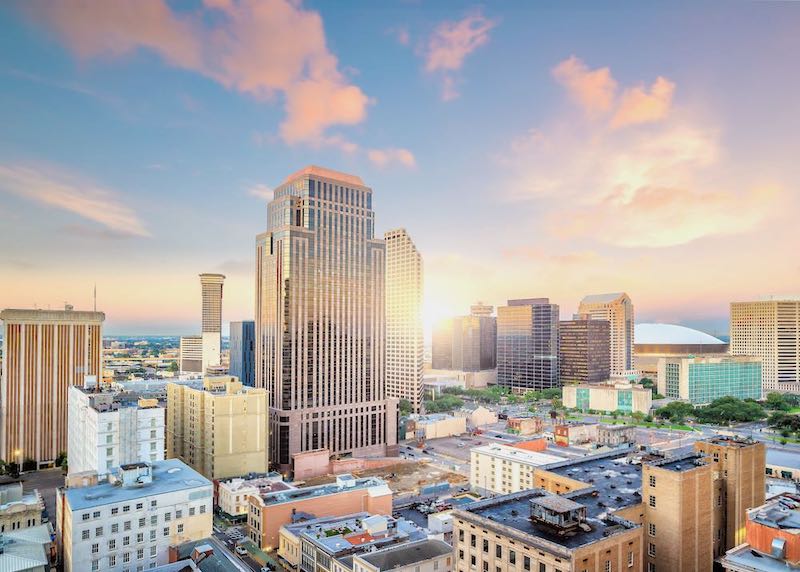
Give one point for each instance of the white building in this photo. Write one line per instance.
(191, 356)
(106, 431)
(129, 521)
(212, 319)
(503, 469)
(232, 494)
(404, 341)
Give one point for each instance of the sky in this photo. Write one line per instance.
(531, 149)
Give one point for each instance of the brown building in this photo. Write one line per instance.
(739, 485)
(584, 351)
(44, 353)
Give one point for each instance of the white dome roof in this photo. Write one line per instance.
(671, 334)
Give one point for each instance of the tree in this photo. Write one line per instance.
(776, 402)
(173, 367)
(405, 407)
(638, 416)
(61, 458)
(444, 404)
(728, 409)
(677, 411)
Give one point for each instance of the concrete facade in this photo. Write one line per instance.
(702, 379)
(617, 309)
(609, 396)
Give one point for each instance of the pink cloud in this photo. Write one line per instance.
(384, 157)
(638, 106)
(249, 46)
(593, 90)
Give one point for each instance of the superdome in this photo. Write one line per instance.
(671, 334)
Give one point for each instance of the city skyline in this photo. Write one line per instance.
(109, 131)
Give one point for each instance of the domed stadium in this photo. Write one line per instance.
(652, 341)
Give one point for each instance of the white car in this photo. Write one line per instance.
(241, 551)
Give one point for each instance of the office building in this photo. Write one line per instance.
(404, 341)
(45, 352)
(584, 351)
(211, 331)
(321, 319)
(503, 469)
(221, 430)
(18, 509)
(654, 341)
(769, 329)
(270, 511)
(190, 359)
(527, 345)
(772, 538)
(242, 352)
(739, 483)
(130, 520)
(429, 555)
(608, 397)
(107, 429)
(617, 309)
(702, 379)
(466, 343)
(442, 344)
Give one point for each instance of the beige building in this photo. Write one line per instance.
(44, 353)
(610, 396)
(501, 469)
(211, 285)
(614, 435)
(769, 329)
(435, 425)
(19, 510)
(477, 415)
(191, 354)
(232, 495)
(220, 430)
(617, 309)
(421, 556)
(404, 341)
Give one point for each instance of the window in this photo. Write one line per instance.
(152, 551)
(154, 520)
(152, 534)
(202, 509)
(109, 451)
(498, 551)
(115, 510)
(85, 516)
(607, 566)
(112, 544)
(140, 537)
(98, 531)
(126, 525)
(95, 548)
(473, 541)
(652, 501)
(152, 446)
(139, 506)
(542, 567)
(115, 528)
(96, 514)
(168, 516)
(526, 563)
(126, 557)
(191, 511)
(485, 545)
(651, 529)
(461, 555)
(95, 565)
(180, 528)
(112, 560)
(630, 559)
(153, 504)
(140, 553)
(126, 508)
(651, 549)
(126, 540)
(461, 535)
(166, 531)
(651, 567)
(142, 522)
(85, 535)
(512, 557)
(652, 480)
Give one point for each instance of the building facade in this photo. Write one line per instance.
(617, 309)
(211, 332)
(429, 555)
(584, 351)
(702, 379)
(129, 521)
(769, 329)
(466, 343)
(190, 359)
(502, 469)
(608, 397)
(19, 510)
(45, 352)
(404, 340)
(242, 352)
(320, 319)
(527, 345)
(221, 430)
(106, 431)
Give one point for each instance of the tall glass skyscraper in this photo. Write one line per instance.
(242, 351)
(527, 345)
(320, 319)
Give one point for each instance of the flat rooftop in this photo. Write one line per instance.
(169, 476)
(731, 441)
(682, 463)
(782, 511)
(301, 494)
(783, 459)
(745, 558)
(407, 554)
(516, 454)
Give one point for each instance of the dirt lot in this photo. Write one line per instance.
(403, 477)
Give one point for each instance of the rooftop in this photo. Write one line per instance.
(407, 554)
(168, 476)
(66, 315)
(340, 536)
(26, 549)
(783, 459)
(665, 334)
(375, 486)
(782, 512)
(213, 561)
(744, 558)
(682, 463)
(602, 298)
(322, 172)
(511, 453)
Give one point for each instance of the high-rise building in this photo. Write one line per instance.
(191, 354)
(617, 309)
(466, 343)
(527, 345)
(770, 329)
(404, 340)
(584, 351)
(320, 319)
(442, 344)
(212, 318)
(242, 352)
(700, 379)
(221, 430)
(107, 429)
(44, 353)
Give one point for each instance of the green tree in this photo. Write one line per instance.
(443, 404)
(405, 407)
(677, 411)
(776, 402)
(173, 367)
(728, 409)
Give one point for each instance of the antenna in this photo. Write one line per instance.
(94, 295)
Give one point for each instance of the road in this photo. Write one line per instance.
(227, 540)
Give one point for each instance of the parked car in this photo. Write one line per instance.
(241, 551)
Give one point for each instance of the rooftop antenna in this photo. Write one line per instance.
(94, 296)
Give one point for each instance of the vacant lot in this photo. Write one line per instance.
(403, 477)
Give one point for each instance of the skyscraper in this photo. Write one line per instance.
(404, 341)
(770, 329)
(584, 351)
(242, 351)
(617, 309)
(320, 319)
(466, 343)
(442, 344)
(527, 345)
(212, 318)
(44, 353)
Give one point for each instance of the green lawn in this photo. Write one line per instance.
(673, 427)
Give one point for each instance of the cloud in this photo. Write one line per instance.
(262, 48)
(401, 34)
(61, 190)
(384, 157)
(260, 191)
(593, 90)
(638, 106)
(450, 44)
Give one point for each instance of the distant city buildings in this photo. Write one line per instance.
(700, 379)
(131, 519)
(242, 352)
(770, 329)
(404, 338)
(617, 309)
(466, 343)
(107, 430)
(321, 319)
(221, 430)
(527, 345)
(45, 352)
(198, 353)
(584, 351)
(608, 397)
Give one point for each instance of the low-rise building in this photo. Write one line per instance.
(130, 519)
(28, 550)
(504, 469)
(19, 510)
(435, 425)
(700, 379)
(423, 556)
(197, 556)
(531, 425)
(269, 512)
(610, 396)
(783, 465)
(568, 434)
(614, 435)
(477, 415)
(232, 494)
(108, 429)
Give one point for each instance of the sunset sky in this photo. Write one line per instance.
(529, 148)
